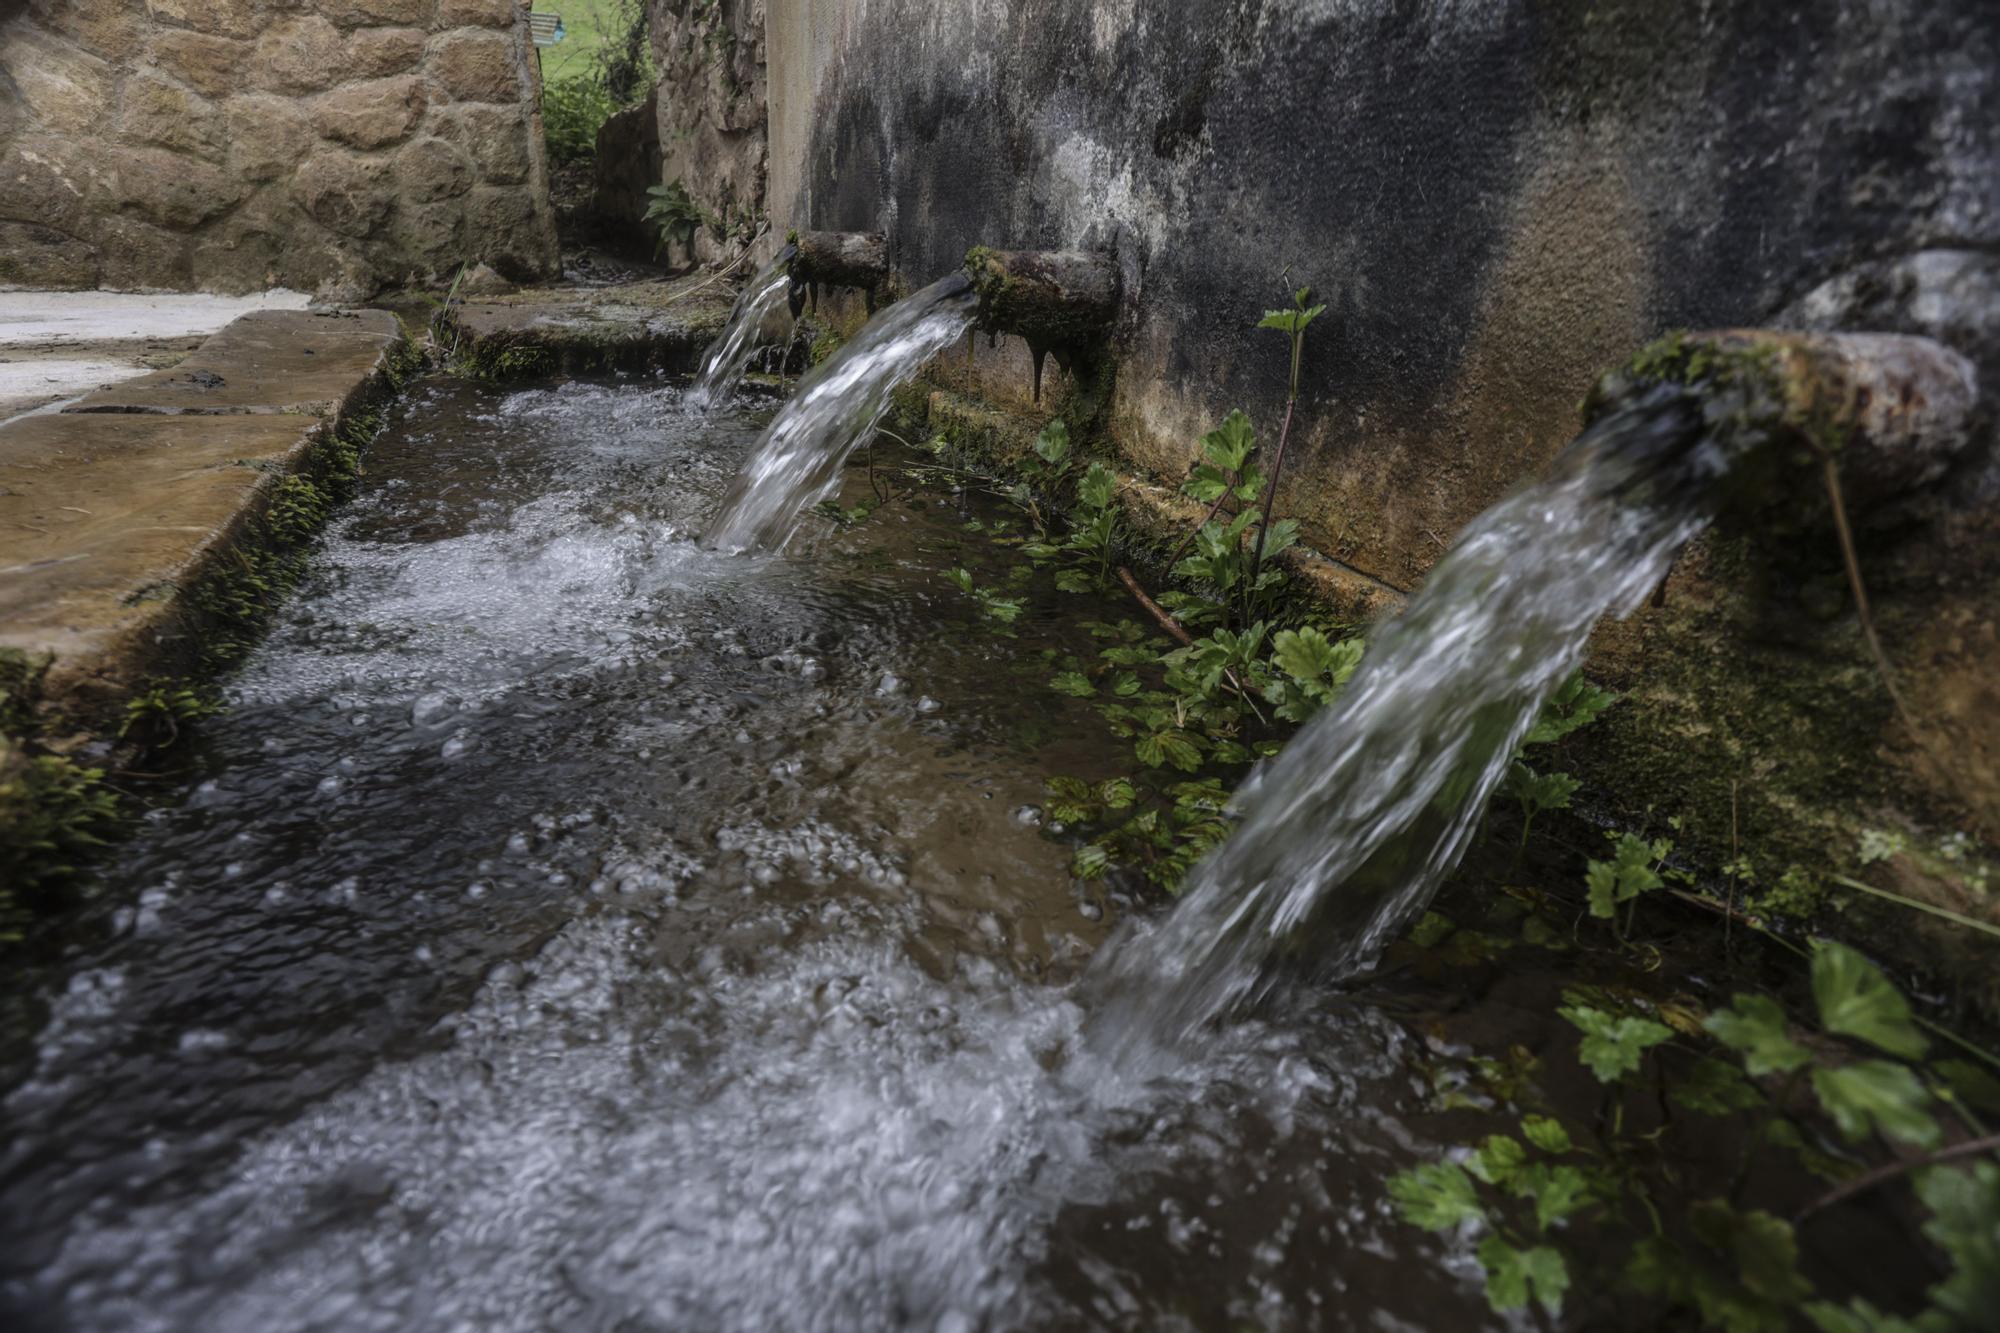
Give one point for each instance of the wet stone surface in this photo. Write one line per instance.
(567, 927)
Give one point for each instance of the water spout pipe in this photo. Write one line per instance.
(837, 259)
(1895, 410)
(1061, 301)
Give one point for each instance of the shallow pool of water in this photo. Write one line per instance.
(571, 928)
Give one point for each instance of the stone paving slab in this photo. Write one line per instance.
(293, 361)
(112, 508)
(102, 515)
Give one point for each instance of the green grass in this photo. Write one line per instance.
(588, 25)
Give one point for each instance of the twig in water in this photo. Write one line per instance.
(1868, 1180)
(1181, 636)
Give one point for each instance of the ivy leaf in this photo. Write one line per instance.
(1281, 536)
(1540, 791)
(1715, 1087)
(1545, 1133)
(1436, 1196)
(1856, 1000)
(1574, 706)
(1498, 1160)
(1511, 1274)
(1290, 321)
(1116, 794)
(1755, 1025)
(1090, 861)
(1072, 580)
(1857, 1316)
(1179, 750)
(1628, 874)
(961, 578)
(1073, 683)
(1878, 1094)
(1430, 930)
(1964, 1204)
(1228, 446)
(1053, 443)
(1765, 1251)
(1558, 1192)
(1098, 486)
(1613, 1046)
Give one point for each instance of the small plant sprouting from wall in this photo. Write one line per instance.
(54, 812)
(675, 218)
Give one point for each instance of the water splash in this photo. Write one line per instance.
(797, 462)
(729, 355)
(1352, 828)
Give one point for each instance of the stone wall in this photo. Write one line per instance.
(338, 146)
(1497, 202)
(711, 109)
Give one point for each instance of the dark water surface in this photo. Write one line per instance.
(574, 929)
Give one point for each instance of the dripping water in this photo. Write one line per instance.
(729, 356)
(797, 462)
(1350, 830)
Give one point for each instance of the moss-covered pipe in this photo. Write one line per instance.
(1061, 301)
(1895, 409)
(837, 259)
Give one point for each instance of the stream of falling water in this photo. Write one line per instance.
(1350, 829)
(729, 356)
(798, 461)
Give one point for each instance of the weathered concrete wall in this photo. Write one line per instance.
(1497, 201)
(232, 145)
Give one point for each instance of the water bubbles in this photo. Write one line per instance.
(890, 684)
(277, 895)
(1027, 816)
(456, 748)
(517, 844)
(330, 785)
(432, 709)
(926, 704)
(201, 1041)
(476, 891)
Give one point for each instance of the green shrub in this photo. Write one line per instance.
(572, 111)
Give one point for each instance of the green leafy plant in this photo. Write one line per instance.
(1732, 1266)
(674, 216)
(154, 716)
(994, 607)
(573, 110)
(1292, 323)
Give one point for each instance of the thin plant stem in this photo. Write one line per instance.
(1868, 1180)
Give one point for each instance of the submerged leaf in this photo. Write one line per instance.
(1613, 1046)
(1436, 1196)
(1856, 1000)
(1877, 1094)
(1755, 1026)
(1513, 1274)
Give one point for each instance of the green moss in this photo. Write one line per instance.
(53, 811)
(824, 347)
